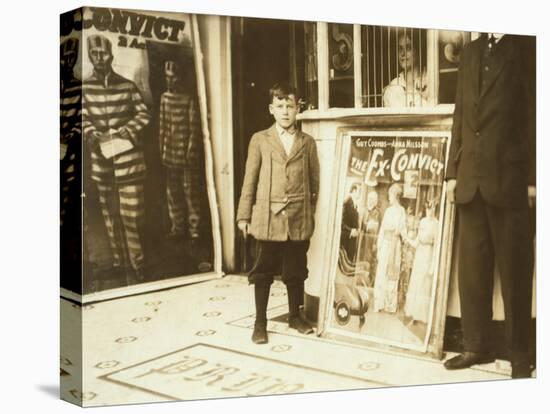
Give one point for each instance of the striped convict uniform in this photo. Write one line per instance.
(180, 140)
(71, 136)
(116, 103)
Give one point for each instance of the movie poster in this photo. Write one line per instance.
(131, 109)
(390, 220)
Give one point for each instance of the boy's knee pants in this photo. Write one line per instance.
(288, 259)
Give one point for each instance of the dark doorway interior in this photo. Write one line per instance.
(260, 57)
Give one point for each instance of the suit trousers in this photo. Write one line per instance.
(490, 235)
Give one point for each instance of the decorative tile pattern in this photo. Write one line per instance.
(231, 364)
(141, 319)
(126, 339)
(281, 348)
(83, 396)
(107, 364)
(212, 314)
(65, 361)
(206, 332)
(207, 371)
(154, 303)
(369, 366)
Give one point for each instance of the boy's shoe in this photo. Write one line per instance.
(259, 336)
(300, 325)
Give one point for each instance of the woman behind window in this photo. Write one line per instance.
(410, 87)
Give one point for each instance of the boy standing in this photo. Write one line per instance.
(277, 207)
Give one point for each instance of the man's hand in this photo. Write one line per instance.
(532, 195)
(96, 135)
(353, 233)
(243, 226)
(451, 186)
(124, 134)
(95, 138)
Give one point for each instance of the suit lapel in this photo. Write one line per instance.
(502, 56)
(297, 145)
(475, 64)
(275, 141)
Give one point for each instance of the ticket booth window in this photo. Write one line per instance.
(449, 45)
(366, 69)
(304, 68)
(340, 65)
(393, 67)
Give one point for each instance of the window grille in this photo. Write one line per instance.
(450, 45)
(394, 72)
(341, 59)
(303, 68)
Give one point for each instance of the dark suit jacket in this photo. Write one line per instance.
(493, 135)
(350, 220)
(350, 217)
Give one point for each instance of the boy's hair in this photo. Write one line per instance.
(282, 90)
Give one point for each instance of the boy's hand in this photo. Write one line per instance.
(243, 227)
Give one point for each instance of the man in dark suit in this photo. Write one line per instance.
(491, 177)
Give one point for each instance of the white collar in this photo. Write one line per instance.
(497, 36)
(281, 131)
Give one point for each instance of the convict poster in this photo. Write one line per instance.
(136, 159)
(389, 218)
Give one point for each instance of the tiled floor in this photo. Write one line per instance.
(194, 342)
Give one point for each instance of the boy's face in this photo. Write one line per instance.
(284, 111)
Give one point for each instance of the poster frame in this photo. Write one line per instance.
(433, 344)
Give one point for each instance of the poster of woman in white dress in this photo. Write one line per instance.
(384, 291)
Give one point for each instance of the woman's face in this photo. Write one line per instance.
(405, 52)
(430, 211)
(391, 197)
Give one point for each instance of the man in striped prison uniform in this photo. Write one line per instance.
(70, 166)
(180, 140)
(113, 103)
(71, 131)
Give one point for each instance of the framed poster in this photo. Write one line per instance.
(391, 243)
(139, 209)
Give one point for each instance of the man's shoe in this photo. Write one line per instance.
(521, 370)
(300, 325)
(259, 336)
(467, 359)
